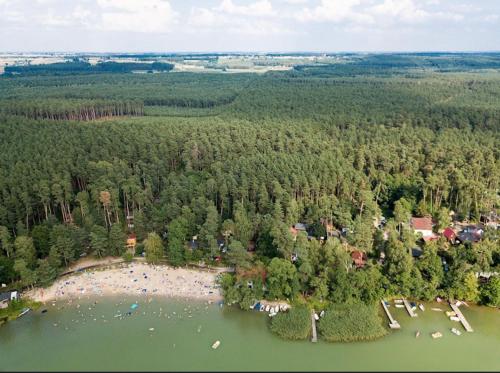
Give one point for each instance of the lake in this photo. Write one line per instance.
(74, 338)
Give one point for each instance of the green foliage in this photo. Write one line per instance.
(340, 143)
(99, 240)
(295, 324)
(351, 322)
(128, 256)
(282, 279)
(25, 250)
(238, 255)
(178, 231)
(153, 247)
(490, 292)
(116, 240)
(7, 273)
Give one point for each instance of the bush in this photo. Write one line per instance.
(127, 256)
(139, 249)
(351, 322)
(294, 324)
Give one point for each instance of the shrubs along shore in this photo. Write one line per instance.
(340, 323)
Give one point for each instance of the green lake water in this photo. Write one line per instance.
(180, 342)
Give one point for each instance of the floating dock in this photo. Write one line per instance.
(408, 308)
(393, 323)
(464, 322)
(314, 338)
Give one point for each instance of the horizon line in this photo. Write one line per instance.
(258, 52)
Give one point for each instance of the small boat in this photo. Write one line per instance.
(44, 311)
(216, 345)
(417, 334)
(450, 313)
(413, 304)
(262, 307)
(257, 306)
(398, 301)
(400, 306)
(439, 300)
(151, 329)
(267, 308)
(24, 312)
(454, 318)
(322, 313)
(436, 335)
(272, 310)
(456, 331)
(437, 309)
(421, 306)
(316, 317)
(134, 306)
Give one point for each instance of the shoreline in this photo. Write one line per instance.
(131, 279)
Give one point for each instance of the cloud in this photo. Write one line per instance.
(136, 15)
(407, 11)
(335, 11)
(256, 18)
(375, 12)
(258, 8)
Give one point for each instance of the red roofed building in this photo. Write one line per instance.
(359, 258)
(450, 234)
(423, 226)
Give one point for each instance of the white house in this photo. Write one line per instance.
(423, 226)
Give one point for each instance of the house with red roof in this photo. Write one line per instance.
(424, 227)
(450, 234)
(359, 258)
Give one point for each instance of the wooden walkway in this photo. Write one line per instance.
(314, 338)
(408, 308)
(464, 322)
(393, 323)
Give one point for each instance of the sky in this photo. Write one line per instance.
(248, 25)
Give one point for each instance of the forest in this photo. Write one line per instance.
(81, 67)
(235, 160)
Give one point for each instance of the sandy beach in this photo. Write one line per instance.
(132, 279)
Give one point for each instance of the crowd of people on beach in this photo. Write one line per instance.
(135, 279)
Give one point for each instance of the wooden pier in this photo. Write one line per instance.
(464, 322)
(393, 323)
(408, 308)
(314, 338)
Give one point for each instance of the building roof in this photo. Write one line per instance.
(424, 224)
(6, 295)
(358, 257)
(449, 233)
(300, 227)
(416, 252)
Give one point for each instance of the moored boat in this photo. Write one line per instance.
(24, 311)
(216, 345)
(454, 318)
(421, 306)
(456, 331)
(417, 334)
(436, 335)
